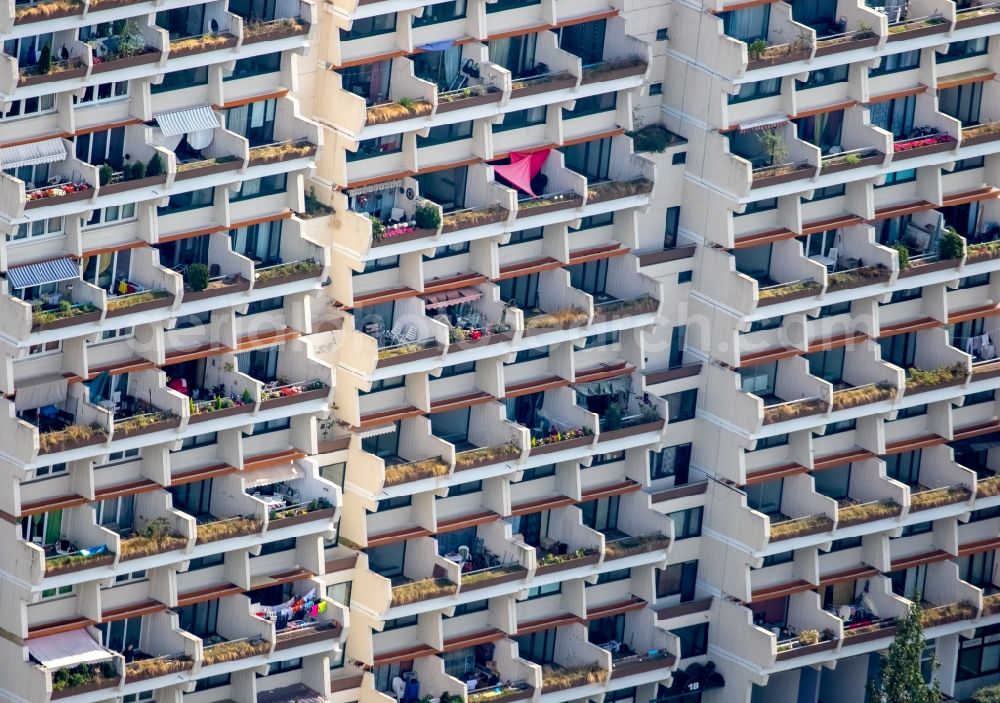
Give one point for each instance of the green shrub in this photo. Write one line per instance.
(987, 694)
(852, 159)
(247, 396)
(378, 228)
(196, 277)
(45, 60)
(904, 255)
(756, 49)
(951, 245)
(138, 170)
(613, 417)
(105, 173)
(427, 216)
(155, 166)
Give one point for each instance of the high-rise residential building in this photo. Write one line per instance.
(378, 351)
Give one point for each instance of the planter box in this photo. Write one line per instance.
(503, 578)
(952, 500)
(543, 87)
(51, 77)
(986, 371)
(85, 688)
(559, 446)
(486, 461)
(224, 412)
(67, 321)
(564, 204)
(638, 666)
(800, 55)
(262, 160)
(481, 342)
(983, 138)
(297, 638)
(167, 424)
(916, 270)
(889, 631)
(122, 186)
(535, 331)
(408, 237)
(793, 175)
(865, 161)
(277, 33)
(469, 224)
(521, 695)
(127, 62)
(815, 530)
(644, 309)
(230, 41)
(146, 675)
(923, 150)
(111, 4)
(808, 649)
(471, 101)
(290, 278)
(435, 350)
(846, 46)
(99, 560)
(567, 565)
(604, 197)
(796, 295)
(321, 514)
(58, 14)
(859, 283)
(68, 445)
(934, 386)
(608, 435)
(842, 523)
(924, 31)
(240, 284)
(208, 170)
(142, 307)
(59, 199)
(976, 21)
(612, 75)
(292, 399)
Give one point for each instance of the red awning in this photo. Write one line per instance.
(522, 168)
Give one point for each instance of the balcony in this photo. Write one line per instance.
(168, 531)
(977, 15)
(194, 44)
(75, 302)
(27, 13)
(171, 652)
(259, 30)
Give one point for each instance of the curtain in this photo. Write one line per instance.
(747, 24)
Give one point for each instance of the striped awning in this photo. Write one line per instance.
(376, 431)
(762, 124)
(67, 649)
(184, 121)
(44, 152)
(53, 271)
(451, 297)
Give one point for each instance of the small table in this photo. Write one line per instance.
(274, 502)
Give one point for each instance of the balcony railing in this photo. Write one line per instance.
(281, 151)
(234, 650)
(981, 14)
(858, 513)
(421, 590)
(615, 190)
(70, 437)
(800, 527)
(483, 456)
(58, 70)
(140, 301)
(492, 575)
(156, 538)
(84, 677)
(77, 560)
(64, 314)
(857, 277)
(614, 309)
(794, 409)
(918, 146)
(629, 546)
(613, 69)
(408, 351)
(415, 471)
(532, 85)
(934, 615)
(277, 274)
(917, 27)
(554, 561)
(257, 30)
(502, 693)
(855, 158)
(784, 292)
(781, 173)
(201, 43)
(937, 497)
(863, 395)
(238, 526)
(845, 41)
(919, 380)
(145, 423)
(142, 669)
(46, 10)
(300, 512)
(559, 678)
(549, 202)
(402, 109)
(806, 642)
(70, 191)
(761, 54)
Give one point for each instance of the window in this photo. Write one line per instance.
(370, 27)
(191, 200)
(442, 134)
(969, 164)
(452, 250)
(827, 76)
(982, 279)
(590, 159)
(684, 277)
(591, 105)
(897, 62)
(833, 483)
(681, 406)
(827, 192)
(501, 5)
(964, 49)
(442, 12)
(768, 323)
(590, 277)
(671, 461)
(399, 623)
(841, 426)
(779, 558)
(525, 235)
(272, 426)
(602, 340)
(199, 440)
(538, 472)
(520, 119)
(29, 107)
(904, 467)
(747, 24)
(335, 473)
(677, 580)
(679, 158)
(542, 591)
(828, 364)
(37, 228)
(777, 440)
(894, 115)
(255, 66)
(602, 459)
(259, 187)
(962, 102)
(662, 34)
(979, 655)
(758, 206)
(106, 91)
(175, 80)
(839, 545)
(522, 291)
(601, 514)
(906, 176)
(694, 640)
(206, 562)
(901, 296)
(656, 89)
(266, 305)
(381, 264)
(765, 497)
(687, 523)
(539, 647)
(835, 309)
(592, 221)
(255, 121)
(756, 91)
(531, 354)
(113, 214)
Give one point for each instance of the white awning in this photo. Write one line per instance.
(763, 123)
(184, 121)
(273, 474)
(67, 649)
(51, 271)
(39, 392)
(44, 152)
(376, 431)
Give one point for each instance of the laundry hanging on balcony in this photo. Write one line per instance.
(522, 169)
(51, 271)
(67, 649)
(39, 392)
(198, 123)
(44, 152)
(606, 386)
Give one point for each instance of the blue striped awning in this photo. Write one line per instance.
(43, 272)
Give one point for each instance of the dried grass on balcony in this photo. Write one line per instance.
(493, 454)
(415, 470)
(226, 529)
(791, 411)
(47, 317)
(938, 497)
(559, 678)
(401, 109)
(474, 216)
(919, 378)
(253, 28)
(560, 319)
(979, 130)
(286, 150)
(550, 558)
(867, 512)
(778, 292)
(490, 574)
(232, 651)
(74, 434)
(62, 562)
(991, 604)
(44, 10)
(988, 487)
(204, 42)
(635, 545)
(929, 617)
(291, 269)
(863, 395)
(401, 349)
(143, 546)
(128, 301)
(160, 666)
(872, 274)
(613, 190)
(980, 252)
(138, 422)
(425, 589)
(800, 526)
(909, 26)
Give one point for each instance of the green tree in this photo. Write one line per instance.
(900, 679)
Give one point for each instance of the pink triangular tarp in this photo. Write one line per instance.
(522, 168)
